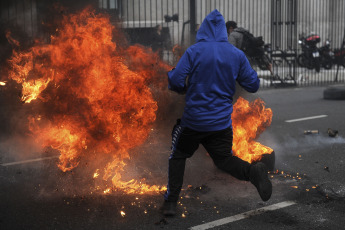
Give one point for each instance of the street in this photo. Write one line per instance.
(308, 183)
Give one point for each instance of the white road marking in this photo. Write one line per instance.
(28, 161)
(306, 118)
(244, 215)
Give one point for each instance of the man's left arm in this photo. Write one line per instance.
(247, 77)
(177, 76)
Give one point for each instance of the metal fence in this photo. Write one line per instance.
(281, 23)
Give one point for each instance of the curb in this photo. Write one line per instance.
(334, 93)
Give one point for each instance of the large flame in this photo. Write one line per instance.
(249, 120)
(95, 101)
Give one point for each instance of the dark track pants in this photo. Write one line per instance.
(218, 144)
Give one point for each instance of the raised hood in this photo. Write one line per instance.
(212, 28)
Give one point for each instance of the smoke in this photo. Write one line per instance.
(292, 145)
(19, 148)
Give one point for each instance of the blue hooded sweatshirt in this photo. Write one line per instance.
(207, 72)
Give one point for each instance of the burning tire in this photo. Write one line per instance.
(268, 160)
(334, 93)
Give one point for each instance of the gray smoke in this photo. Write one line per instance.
(293, 144)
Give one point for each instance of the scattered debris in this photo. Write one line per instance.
(194, 192)
(332, 133)
(307, 132)
(332, 190)
(203, 189)
(162, 221)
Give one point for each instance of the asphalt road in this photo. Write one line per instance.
(308, 184)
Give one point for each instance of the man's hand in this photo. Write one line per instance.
(269, 67)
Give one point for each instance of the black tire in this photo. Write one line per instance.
(300, 60)
(334, 93)
(269, 160)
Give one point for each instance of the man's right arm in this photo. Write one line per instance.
(177, 76)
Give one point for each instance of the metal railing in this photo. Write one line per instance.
(281, 23)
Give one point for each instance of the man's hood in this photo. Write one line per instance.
(212, 28)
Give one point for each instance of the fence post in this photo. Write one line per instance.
(341, 51)
(192, 20)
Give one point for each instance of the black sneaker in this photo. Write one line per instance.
(259, 178)
(168, 208)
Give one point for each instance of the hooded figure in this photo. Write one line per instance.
(207, 72)
(213, 65)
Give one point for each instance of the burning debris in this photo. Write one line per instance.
(332, 133)
(296, 178)
(96, 174)
(194, 192)
(249, 120)
(90, 100)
